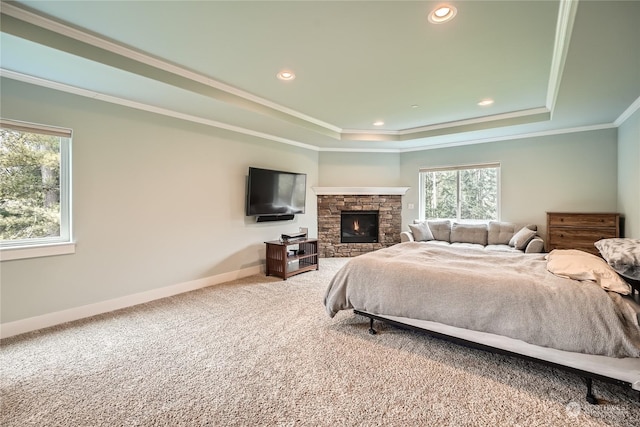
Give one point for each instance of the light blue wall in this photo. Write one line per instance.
(574, 172)
(157, 202)
(568, 172)
(629, 174)
(341, 169)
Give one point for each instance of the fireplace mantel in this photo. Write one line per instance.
(360, 191)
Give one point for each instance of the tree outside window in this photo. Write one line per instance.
(33, 184)
(460, 193)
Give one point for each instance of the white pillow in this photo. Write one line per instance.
(421, 232)
(580, 265)
(522, 238)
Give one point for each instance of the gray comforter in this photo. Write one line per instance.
(510, 294)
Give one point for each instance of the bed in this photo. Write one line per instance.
(562, 309)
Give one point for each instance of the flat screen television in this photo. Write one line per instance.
(273, 195)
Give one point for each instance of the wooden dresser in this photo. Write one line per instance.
(569, 230)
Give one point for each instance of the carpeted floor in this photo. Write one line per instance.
(262, 352)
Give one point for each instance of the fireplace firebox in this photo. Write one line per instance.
(359, 227)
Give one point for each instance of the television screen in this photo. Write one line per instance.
(271, 192)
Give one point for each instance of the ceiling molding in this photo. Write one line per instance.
(512, 137)
(505, 119)
(566, 17)
(149, 108)
(478, 120)
(212, 123)
(635, 106)
(43, 30)
(360, 150)
(57, 35)
(90, 46)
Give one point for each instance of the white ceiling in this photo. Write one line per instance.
(551, 66)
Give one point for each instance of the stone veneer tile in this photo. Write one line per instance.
(329, 208)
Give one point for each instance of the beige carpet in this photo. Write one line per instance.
(262, 352)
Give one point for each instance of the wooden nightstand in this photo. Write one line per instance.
(571, 230)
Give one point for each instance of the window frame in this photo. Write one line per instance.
(457, 168)
(46, 246)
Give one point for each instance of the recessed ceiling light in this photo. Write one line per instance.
(442, 13)
(378, 123)
(286, 75)
(415, 106)
(485, 102)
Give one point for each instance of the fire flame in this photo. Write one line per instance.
(356, 225)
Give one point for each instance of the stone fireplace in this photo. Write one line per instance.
(359, 226)
(354, 221)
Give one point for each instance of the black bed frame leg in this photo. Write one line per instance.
(371, 330)
(590, 397)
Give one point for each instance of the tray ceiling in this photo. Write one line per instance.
(549, 66)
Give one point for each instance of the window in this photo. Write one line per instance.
(35, 197)
(460, 193)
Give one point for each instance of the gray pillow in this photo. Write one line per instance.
(522, 238)
(441, 230)
(421, 232)
(536, 245)
(500, 232)
(469, 233)
(623, 255)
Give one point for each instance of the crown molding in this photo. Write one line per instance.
(220, 125)
(512, 137)
(566, 17)
(635, 106)
(467, 125)
(149, 108)
(150, 66)
(44, 28)
(564, 28)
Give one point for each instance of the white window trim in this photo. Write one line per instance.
(64, 244)
(37, 251)
(421, 213)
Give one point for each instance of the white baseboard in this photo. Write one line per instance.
(22, 326)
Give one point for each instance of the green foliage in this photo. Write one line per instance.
(479, 193)
(475, 190)
(29, 185)
(441, 189)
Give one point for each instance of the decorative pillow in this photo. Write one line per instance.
(621, 254)
(500, 232)
(580, 265)
(535, 246)
(421, 232)
(469, 233)
(441, 230)
(522, 238)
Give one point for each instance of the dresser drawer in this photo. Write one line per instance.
(570, 238)
(583, 220)
(571, 230)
